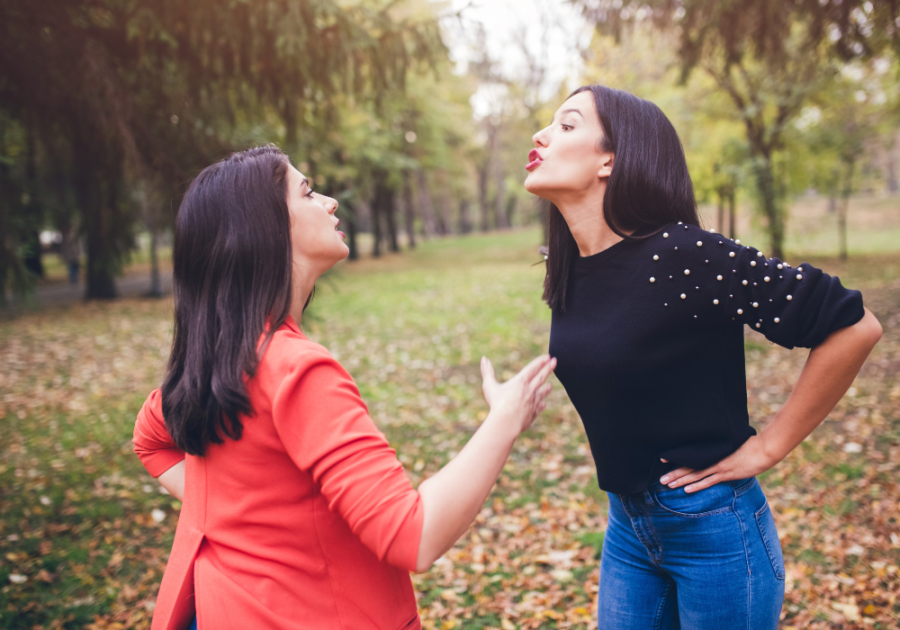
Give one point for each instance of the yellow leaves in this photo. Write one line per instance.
(506, 624)
(850, 611)
(115, 560)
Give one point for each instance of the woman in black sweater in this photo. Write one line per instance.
(648, 316)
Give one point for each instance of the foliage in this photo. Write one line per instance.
(768, 56)
(118, 95)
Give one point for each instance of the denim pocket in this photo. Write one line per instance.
(713, 500)
(770, 539)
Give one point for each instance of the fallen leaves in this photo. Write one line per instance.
(84, 541)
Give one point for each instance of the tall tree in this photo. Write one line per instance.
(143, 91)
(768, 56)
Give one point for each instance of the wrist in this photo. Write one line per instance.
(772, 451)
(500, 422)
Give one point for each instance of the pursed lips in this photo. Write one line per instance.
(534, 159)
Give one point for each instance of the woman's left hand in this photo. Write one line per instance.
(749, 460)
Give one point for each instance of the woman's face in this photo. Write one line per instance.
(567, 161)
(316, 242)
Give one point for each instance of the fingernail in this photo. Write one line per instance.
(673, 484)
(664, 479)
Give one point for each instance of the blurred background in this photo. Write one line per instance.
(417, 115)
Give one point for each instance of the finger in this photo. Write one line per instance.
(487, 371)
(703, 484)
(693, 477)
(533, 368)
(544, 373)
(672, 475)
(663, 460)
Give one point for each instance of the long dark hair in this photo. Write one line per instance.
(232, 278)
(649, 186)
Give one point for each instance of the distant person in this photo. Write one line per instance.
(648, 328)
(296, 512)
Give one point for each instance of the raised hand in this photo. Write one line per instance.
(521, 398)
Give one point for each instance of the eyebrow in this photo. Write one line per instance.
(571, 109)
(305, 182)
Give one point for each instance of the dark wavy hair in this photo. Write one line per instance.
(232, 280)
(648, 188)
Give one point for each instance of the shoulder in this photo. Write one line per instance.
(290, 350)
(684, 245)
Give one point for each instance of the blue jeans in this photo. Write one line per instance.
(193, 625)
(704, 561)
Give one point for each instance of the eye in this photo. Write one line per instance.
(309, 193)
(566, 127)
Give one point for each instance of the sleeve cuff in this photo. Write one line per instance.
(159, 461)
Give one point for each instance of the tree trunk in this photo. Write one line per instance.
(500, 200)
(351, 214)
(765, 185)
(446, 203)
(376, 226)
(483, 195)
(465, 225)
(155, 280)
(429, 221)
(100, 284)
(511, 203)
(721, 210)
(33, 251)
(844, 206)
(409, 210)
(732, 212)
(390, 211)
(375, 209)
(892, 183)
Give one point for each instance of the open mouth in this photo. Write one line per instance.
(534, 159)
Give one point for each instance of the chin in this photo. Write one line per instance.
(534, 187)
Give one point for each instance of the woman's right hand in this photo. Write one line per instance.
(522, 397)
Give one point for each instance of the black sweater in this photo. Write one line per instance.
(650, 347)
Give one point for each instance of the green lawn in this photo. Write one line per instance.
(84, 531)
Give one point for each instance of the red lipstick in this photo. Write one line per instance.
(534, 158)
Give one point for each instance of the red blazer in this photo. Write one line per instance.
(308, 521)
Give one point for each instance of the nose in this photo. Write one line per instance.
(331, 204)
(540, 139)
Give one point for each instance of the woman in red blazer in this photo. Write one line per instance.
(296, 512)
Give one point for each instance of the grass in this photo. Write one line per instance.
(85, 532)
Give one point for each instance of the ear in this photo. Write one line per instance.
(606, 164)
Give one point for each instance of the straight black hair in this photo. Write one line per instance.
(648, 188)
(232, 282)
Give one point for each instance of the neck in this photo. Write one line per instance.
(584, 216)
(302, 285)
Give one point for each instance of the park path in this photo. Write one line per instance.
(129, 285)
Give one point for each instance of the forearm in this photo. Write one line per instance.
(826, 377)
(173, 480)
(453, 497)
